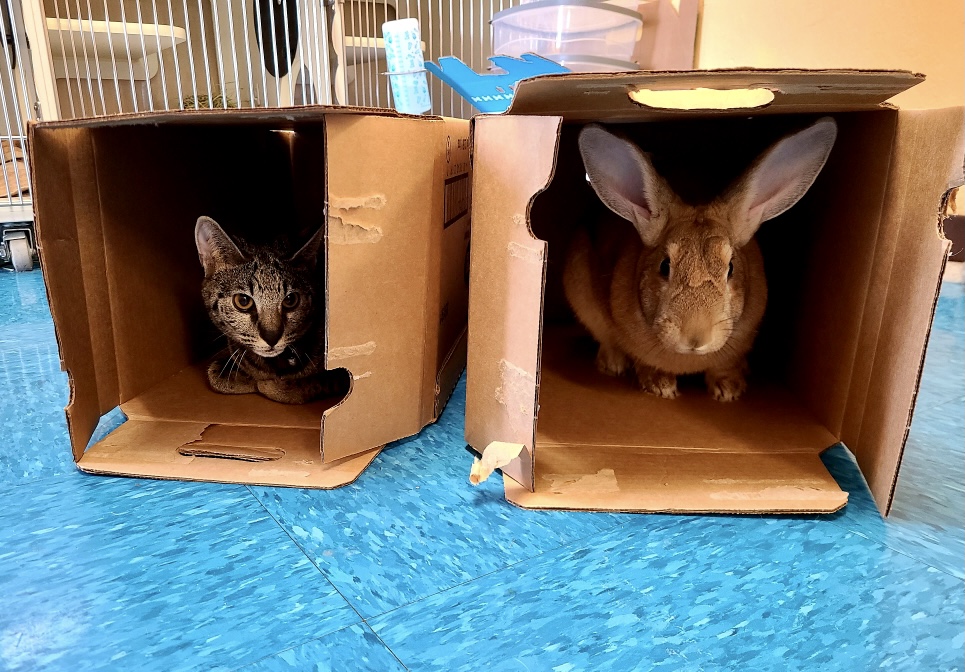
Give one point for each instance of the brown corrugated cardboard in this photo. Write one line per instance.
(116, 201)
(853, 271)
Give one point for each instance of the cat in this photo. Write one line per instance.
(265, 301)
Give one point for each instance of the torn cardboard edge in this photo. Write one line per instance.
(581, 96)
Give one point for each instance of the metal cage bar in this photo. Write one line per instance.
(116, 56)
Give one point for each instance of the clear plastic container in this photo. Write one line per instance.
(581, 63)
(567, 27)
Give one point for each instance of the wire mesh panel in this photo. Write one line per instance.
(16, 108)
(113, 56)
(449, 28)
(102, 57)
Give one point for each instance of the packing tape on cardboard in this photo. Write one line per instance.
(494, 456)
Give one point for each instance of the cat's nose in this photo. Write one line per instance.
(270, 336)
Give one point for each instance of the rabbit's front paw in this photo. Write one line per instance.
(726, 385)
(656, 382)
(611, 361)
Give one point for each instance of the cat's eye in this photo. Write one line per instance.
(243, 302)
(665, 267)
(730, 270)
(291, 301)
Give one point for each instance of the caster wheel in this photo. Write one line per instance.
(20, 254)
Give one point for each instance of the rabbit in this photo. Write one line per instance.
(683, 291)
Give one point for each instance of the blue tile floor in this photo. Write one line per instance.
(412, 569)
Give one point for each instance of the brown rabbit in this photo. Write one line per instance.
(685, 291)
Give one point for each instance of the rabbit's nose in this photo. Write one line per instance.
(698, 344)
(697, 340)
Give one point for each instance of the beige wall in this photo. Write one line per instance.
(922, 35)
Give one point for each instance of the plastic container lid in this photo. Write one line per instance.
(527, 17)
(584, 63)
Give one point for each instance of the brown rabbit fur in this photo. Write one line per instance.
(683, 289)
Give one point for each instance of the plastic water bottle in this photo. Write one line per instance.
(407, 67)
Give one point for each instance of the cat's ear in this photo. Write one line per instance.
(215, 247)
(307, 257)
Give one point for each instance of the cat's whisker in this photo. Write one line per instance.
(227, 362)
(231, 369)
(312, 362)
(241, 360)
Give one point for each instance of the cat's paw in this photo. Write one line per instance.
(286, 393)
(227, 380)
(658, 383)
(728, 386)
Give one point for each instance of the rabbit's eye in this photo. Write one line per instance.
(665, 267)
(730, 269)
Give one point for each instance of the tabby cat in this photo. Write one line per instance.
(264, 299)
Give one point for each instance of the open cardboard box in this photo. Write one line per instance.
(853, 273)
(116, 202)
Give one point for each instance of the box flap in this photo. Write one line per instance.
(71, 243)
(615, 479)
(280, 117)
(606, 97)
(927, 161)
(514, 159)
(198, 451)
(380, 239)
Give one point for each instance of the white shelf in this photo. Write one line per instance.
(97, 40)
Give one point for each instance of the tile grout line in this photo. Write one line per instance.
(316, 639)
(934, 407)
(899, 551)
(387, 647)
(305, 553)
(362, 619)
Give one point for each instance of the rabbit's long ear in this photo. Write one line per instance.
(625, 180)
(215, 247)
(779, 178)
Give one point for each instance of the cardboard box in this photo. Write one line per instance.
(853, 273)
(116, 201)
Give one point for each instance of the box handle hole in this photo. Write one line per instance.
(242, 454)
(702, 99)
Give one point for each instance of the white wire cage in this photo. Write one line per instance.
(81, 58)
(111, 56)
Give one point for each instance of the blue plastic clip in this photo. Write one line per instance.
(492, 92)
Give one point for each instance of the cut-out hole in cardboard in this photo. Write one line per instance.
(702, 98)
